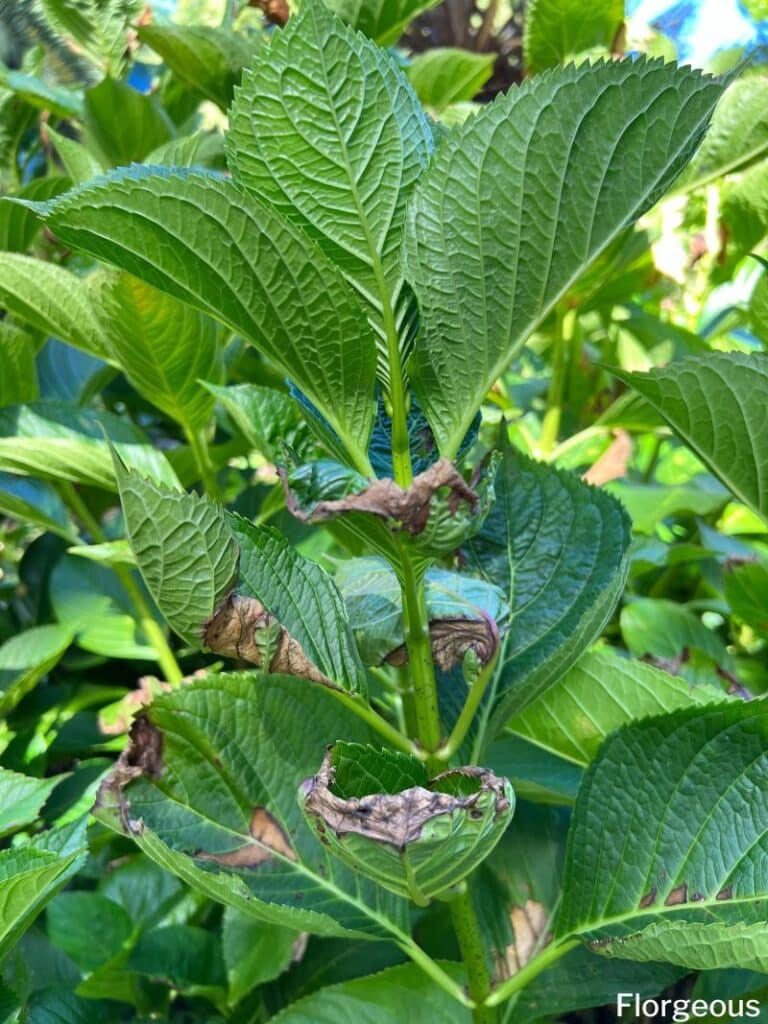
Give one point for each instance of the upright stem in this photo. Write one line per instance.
(473, 954)
(417, 640)
(199, 445)
(565, 323)
(465, 719)
(165, 656)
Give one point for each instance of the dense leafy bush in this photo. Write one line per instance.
(436, 432)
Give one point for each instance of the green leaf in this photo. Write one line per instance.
(29, 878)
(224, 815)
(555, 30)
(163, 346)
(602, 692)
(667, 850)
(303, 598)
(559, 548)
(326, 128)
(51, 299)
(361, 770)
(183, 547)
(79, 163)
(26, 658)
(446, 75)
(92, 603)
(123, 125)
(58, 441)
(18, 373)
(209, 60)
(99, 27)
(266, 418)
(384, 21)
(269, 283)
(489, 263)
(21, 798)
(20, 226)
(111, 552)
(650, 504)
(738, 135)
(184, 956)
(390, 997)
(73, 919)
(58, 100)
(746, 591)
(254, 951)
(716, 404)
(33, 501)
(535, 774)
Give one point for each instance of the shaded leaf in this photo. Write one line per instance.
(73, 919)
(18, 226)
(254, 951)
(21, 798)
(124, 125)
(33, 501)
(554, 30)
(446, 75)
(384, 21)
(18, 373)
(26, 658)
(746, 590)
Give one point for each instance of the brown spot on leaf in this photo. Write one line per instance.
(386, 499)
(529, 924)
(142, 756)
(612, 464)
(677, 896)
(397, 819)
(452, 638)
(267, 839)
(649, 899)
(241, 627)
(726, 893)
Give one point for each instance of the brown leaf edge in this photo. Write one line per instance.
(384, 498)
(452, 638)
(397, 819)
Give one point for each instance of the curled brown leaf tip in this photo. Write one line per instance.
(276, 11)
(267, 839)
(241, 627)
(384, 498)
(397, 819)
(142, 756)
(452, 638)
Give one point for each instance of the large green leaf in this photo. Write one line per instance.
(446, 75)
(58, 441)
(26, 658)
(164, 347)
(209, 60)
(122, 124)
(555, 30)
(326, 128)
(383, 20)
(254, 951)
(521, 200)
(79, 163)
(667, 851)
(223, 814)
(183, 547)
(558, 547)
(206, 241)
(716, 404)
(18, 373)
(51, 299)
(602, 692)
(739, 133)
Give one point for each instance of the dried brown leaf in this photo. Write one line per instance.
(612, 464)
(452, 638)
(529, 924)
(268, 838)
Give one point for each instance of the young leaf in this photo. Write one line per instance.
(558, 547)
(26, 658)
(163, 346)
(210, 60)
(598, 695)
(448, 75)
(207, 242)
(384, 21)
(554, 30)
(488, 263)
(716, 404)
(51, 299)
(79, 163)
(667, 851)
(326, 128)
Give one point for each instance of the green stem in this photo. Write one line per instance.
(550, 429)
(165, 656)
(230, 13)
(401, 448)
(435, 972)
(417, 640)
(472, 949)
(465, 719)
(548, 956)
(365, 712)
(199, 445)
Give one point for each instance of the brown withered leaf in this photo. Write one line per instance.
(142, 756)
(387, 500)
(529, 924)
(397, 819)
(612, 464)
(241, 627)
(452, 638)
(268, 838)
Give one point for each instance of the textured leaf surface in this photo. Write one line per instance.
(598, 695)
(225, 817)
(183, 547)
(521, 200)
(446, 75)
(326, 128)
(558, 548)
(25, 659)
(555, 30)
(163, 346)
(205, 241)
(51, 299)
(303, 598)
(18, 373)
(667, 850)
(718, 405)
(29, 878)
(266, 418)
(210, 60)
(382, 20)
